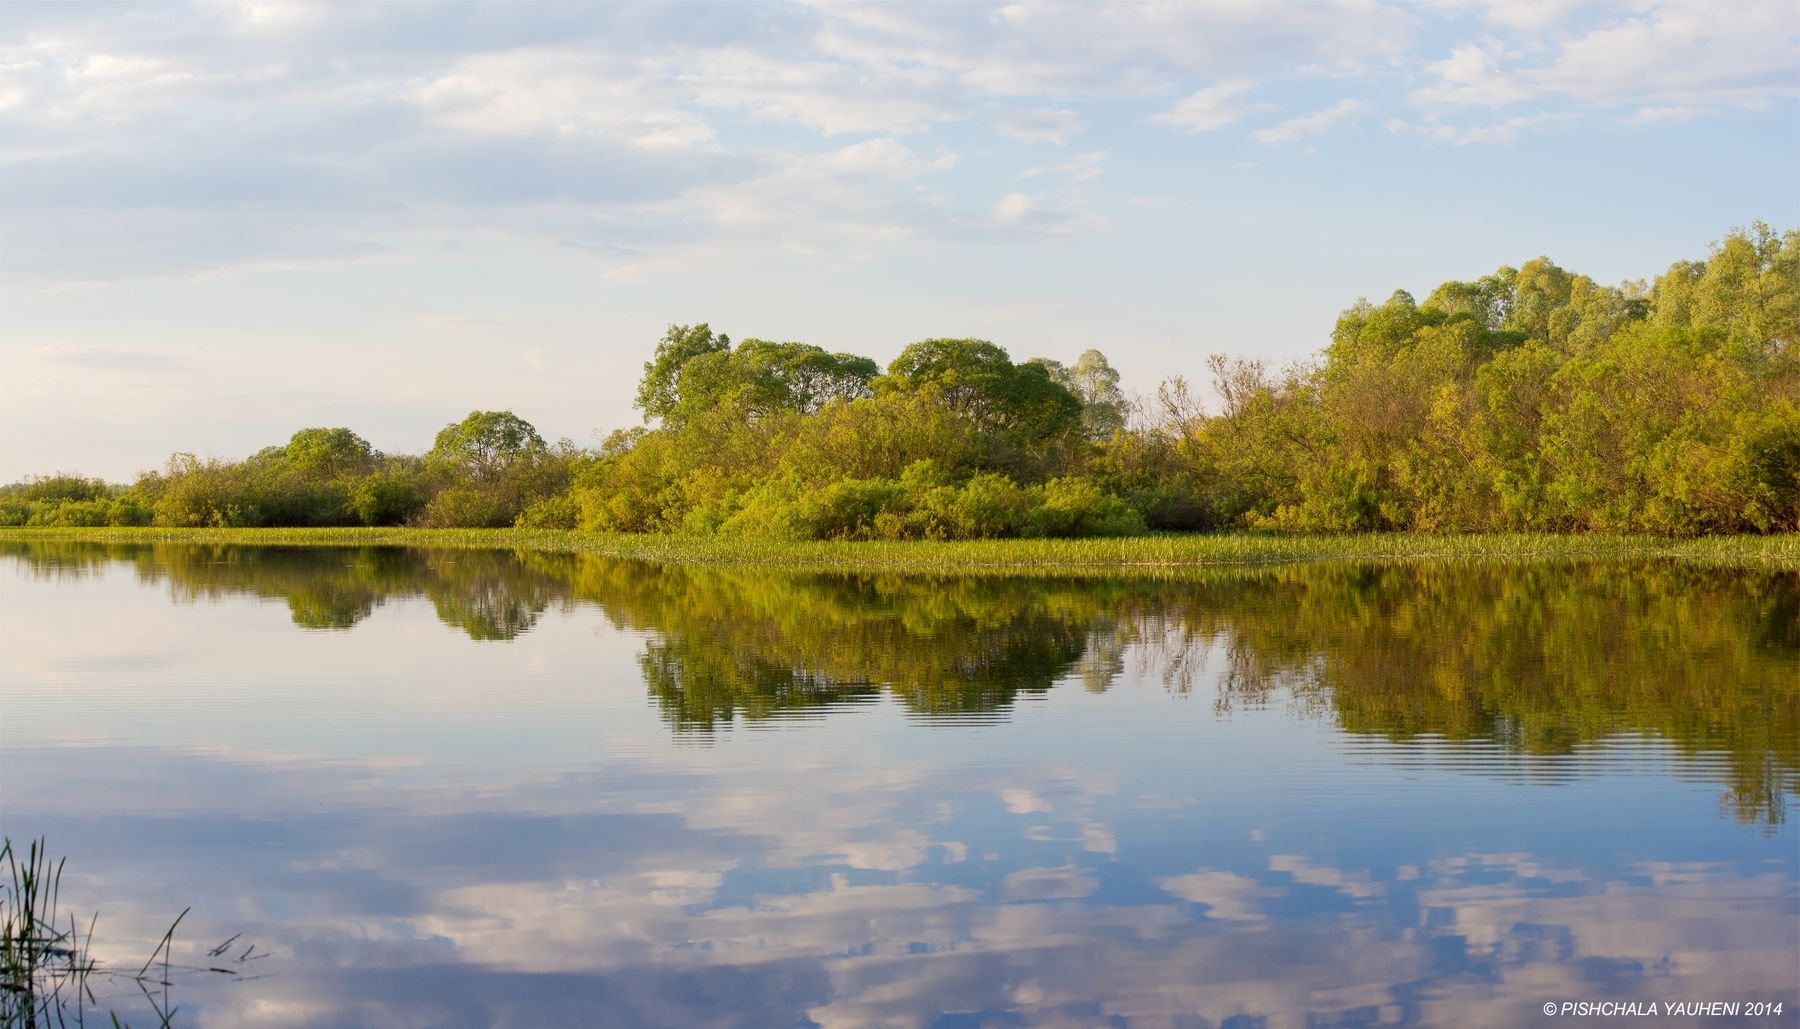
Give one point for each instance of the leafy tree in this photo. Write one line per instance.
(761, 377)
(1094, 382)
(58, 487)
(329, 452)
(978, 381)
(487, 444)
(810, 376)
(658, 393)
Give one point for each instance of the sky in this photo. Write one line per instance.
(222, 222)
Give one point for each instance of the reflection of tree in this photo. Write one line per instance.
(697, 690)
(746, 642)
(1535, 659)
(490, 595)
(1538, 658)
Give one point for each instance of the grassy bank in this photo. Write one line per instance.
(1137, 552)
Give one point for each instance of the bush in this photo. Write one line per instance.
(1079, 507)
(387, 498)
(467, 507)
(61, 486)
(558, 512)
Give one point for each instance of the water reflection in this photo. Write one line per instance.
(1313, 795)
(1534, 659)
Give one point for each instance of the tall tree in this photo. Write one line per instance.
(658, 391)
(329, 452)
(977, 380)
(487, 444)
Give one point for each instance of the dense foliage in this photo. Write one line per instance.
(1529, 399)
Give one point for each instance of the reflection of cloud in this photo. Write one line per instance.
(896, 852)
(1097, 838)
(1304, 871)
(652, 912)
(1061, 883)
(1023, 802)
(1228, 896)
(823, 873)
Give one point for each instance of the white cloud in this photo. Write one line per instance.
(829, 96)
(1046, 49)
(1675, 55)
(1207, 109)
(1038, 125)
(1677, 113)
(885, 158)
(1499, 132)
(1012, 209)
(1527, 15)
(1081, 168)
(1741, 54)
(532, 92)
(821, 203)
(1471, 75)
(1309, 124)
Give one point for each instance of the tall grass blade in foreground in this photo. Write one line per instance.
(47, 973)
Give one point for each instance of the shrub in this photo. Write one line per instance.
(1079, 507)
(387, 498)
(467, 507)
(561, 511)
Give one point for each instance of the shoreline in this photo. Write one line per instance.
(1146, 555)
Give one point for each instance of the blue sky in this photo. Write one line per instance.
(223, 222)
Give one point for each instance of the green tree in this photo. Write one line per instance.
(1094, 382)
(658, 392)
(978, 381)
(487, 444)
(329, 453)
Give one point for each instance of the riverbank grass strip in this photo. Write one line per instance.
(1150, 554)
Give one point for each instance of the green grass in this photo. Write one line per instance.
(1152, 554)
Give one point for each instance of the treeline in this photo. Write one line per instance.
(484, 471)
(1529, 399)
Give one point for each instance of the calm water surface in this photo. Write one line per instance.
(488, 788)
